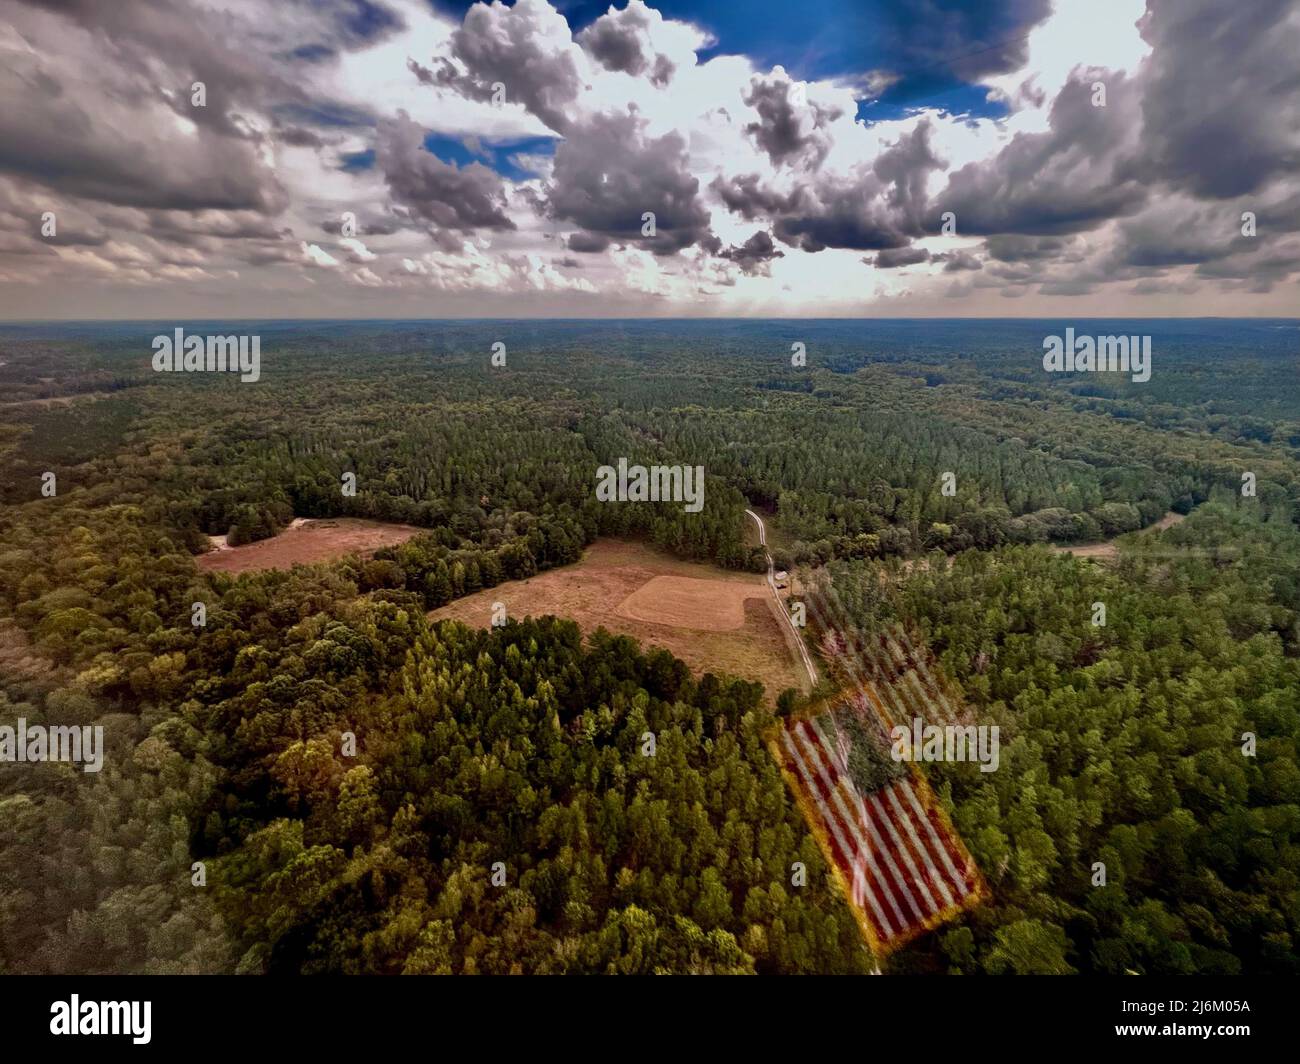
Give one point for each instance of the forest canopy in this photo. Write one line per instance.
(524, 746)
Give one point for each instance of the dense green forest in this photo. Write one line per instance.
(1122, 744)
(524, 745)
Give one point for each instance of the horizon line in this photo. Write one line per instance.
(650, 318)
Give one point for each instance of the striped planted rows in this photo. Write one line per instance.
(901, 864)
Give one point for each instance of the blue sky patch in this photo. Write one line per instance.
(501, 156)
(355, 162)
(959, 100)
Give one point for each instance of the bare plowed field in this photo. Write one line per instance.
(689, 602)
(304, 542)
(713, 619)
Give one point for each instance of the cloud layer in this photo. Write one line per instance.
(243, 158)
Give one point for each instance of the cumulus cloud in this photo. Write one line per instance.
(451, 197)
(957, 261)
(610, 172)
(790, 128)
(1226, 75)
(1016, 247)
(755, 255)
(877, 206)
(623, 41)
(314, 254)
(357, 251)
(470, 269)
(1073, 177)
(527, 49)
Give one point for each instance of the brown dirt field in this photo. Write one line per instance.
(304, 542)
(689, 602)
(713, 619)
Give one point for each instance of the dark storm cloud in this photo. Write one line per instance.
(299, 137)
(840, 214)
(906, 167)
(746, 196)
(1176, 233)
(1213, 114)
(1257, 269)
(789, 130)
(1221, 105)
(85, 115)
(185, 43)
(447, 76)
(1010, 273)
(84, 147)
(1154, 286)
(1071, 178)
(877, 207)
(453, 198)
(588, 243)
(619, 40)
(609, 172)
(940, 44)
(91, 85)
(1013, 247)
(21, 219)
(893, 258)
(755, 255)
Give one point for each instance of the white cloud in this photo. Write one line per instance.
(316, 256)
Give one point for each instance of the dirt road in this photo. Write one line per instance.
(771, 583)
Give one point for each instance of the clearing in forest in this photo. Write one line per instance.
(1108, 550)
(305, 542)
(715, 620)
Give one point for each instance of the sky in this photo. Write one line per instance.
(857, 158)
